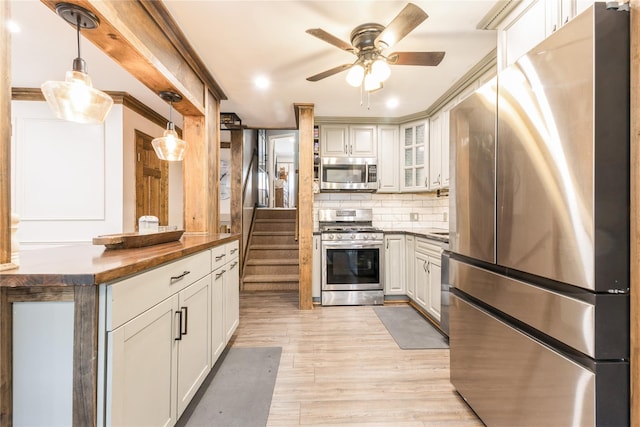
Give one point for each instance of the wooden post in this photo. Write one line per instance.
(635, 214)
(194, 175)
(304, 113)
(5, 135)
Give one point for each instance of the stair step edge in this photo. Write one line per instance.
(272, 261)
(270, 278)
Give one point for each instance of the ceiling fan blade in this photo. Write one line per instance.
(331, 72)
(415, 58)
(408, 19)
(331, 39)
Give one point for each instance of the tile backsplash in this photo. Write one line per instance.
(391, 211)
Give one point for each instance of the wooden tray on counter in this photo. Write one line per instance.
(137, 240)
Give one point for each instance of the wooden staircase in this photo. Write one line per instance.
(272, 252)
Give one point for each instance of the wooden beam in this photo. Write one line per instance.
(213, 167)
(195, 175)
(237, 149)
(5, 134)
(304, 118)
(635, 213)
(129, 34)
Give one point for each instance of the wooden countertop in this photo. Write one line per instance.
(93, 264)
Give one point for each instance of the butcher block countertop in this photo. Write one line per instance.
(88, 264)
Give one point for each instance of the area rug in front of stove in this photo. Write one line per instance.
(240, 390)
(409, 329)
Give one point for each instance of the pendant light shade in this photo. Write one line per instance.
(75, 99)
(169, 146)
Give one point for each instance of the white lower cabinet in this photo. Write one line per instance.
(427, 269)
(316, 270)
(144, 368)
(394, 277)
(165, 329)
(409, 268)
(194, 347)
(231, 299)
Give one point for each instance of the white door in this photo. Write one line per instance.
(394, 278)
(435, 287)
(194, 348)
(421, 279)
(231, 299)
(143, 371)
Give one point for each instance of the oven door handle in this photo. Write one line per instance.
(349, 245)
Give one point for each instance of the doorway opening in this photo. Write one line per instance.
(278, 168)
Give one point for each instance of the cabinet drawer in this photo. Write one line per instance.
(232, 249)
(425, 246)
(130, 297)
(219, 256)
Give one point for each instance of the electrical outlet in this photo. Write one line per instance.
(414, 216)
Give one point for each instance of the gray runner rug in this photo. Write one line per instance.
(239, 393)
(409, 329)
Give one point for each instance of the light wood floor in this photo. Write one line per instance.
(340, 367)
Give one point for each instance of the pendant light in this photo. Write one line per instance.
(169, 146)
(75, 99)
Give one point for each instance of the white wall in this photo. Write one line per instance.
(67, 178)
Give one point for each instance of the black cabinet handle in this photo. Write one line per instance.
(184, 310)
(219, 275)
(219, 257)
(179, 337)
(179, 277)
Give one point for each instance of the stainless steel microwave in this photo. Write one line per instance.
(348, 174)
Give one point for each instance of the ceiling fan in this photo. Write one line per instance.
(368, 41)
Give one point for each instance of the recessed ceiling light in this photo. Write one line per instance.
(262, 82)
(392, 103)
(13, 26)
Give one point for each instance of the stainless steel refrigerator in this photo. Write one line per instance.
(539, 233)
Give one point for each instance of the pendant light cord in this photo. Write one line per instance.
(78, 34)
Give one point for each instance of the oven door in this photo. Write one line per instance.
(352, 266)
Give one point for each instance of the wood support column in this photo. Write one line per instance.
(85, 355)
(635, 213)
(304, 114)
(5, 135)
(237, 201)
(194, 175)
(6, 359)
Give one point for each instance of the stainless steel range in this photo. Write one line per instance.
(352, 258)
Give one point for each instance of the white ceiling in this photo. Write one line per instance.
(240, 40)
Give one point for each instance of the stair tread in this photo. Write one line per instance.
(252, 278)
(272, 261)
(274, 246)
(274, 233)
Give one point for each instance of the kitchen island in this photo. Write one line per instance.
(82, 276)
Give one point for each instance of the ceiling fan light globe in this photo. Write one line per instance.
(380, 69)
(355, 75)
(371, 83)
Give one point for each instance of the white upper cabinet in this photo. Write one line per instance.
(362, 140)
(334, 140)
(533, 21)
(348, 140)
(388, 165)
(414, 153)
(435, 150)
